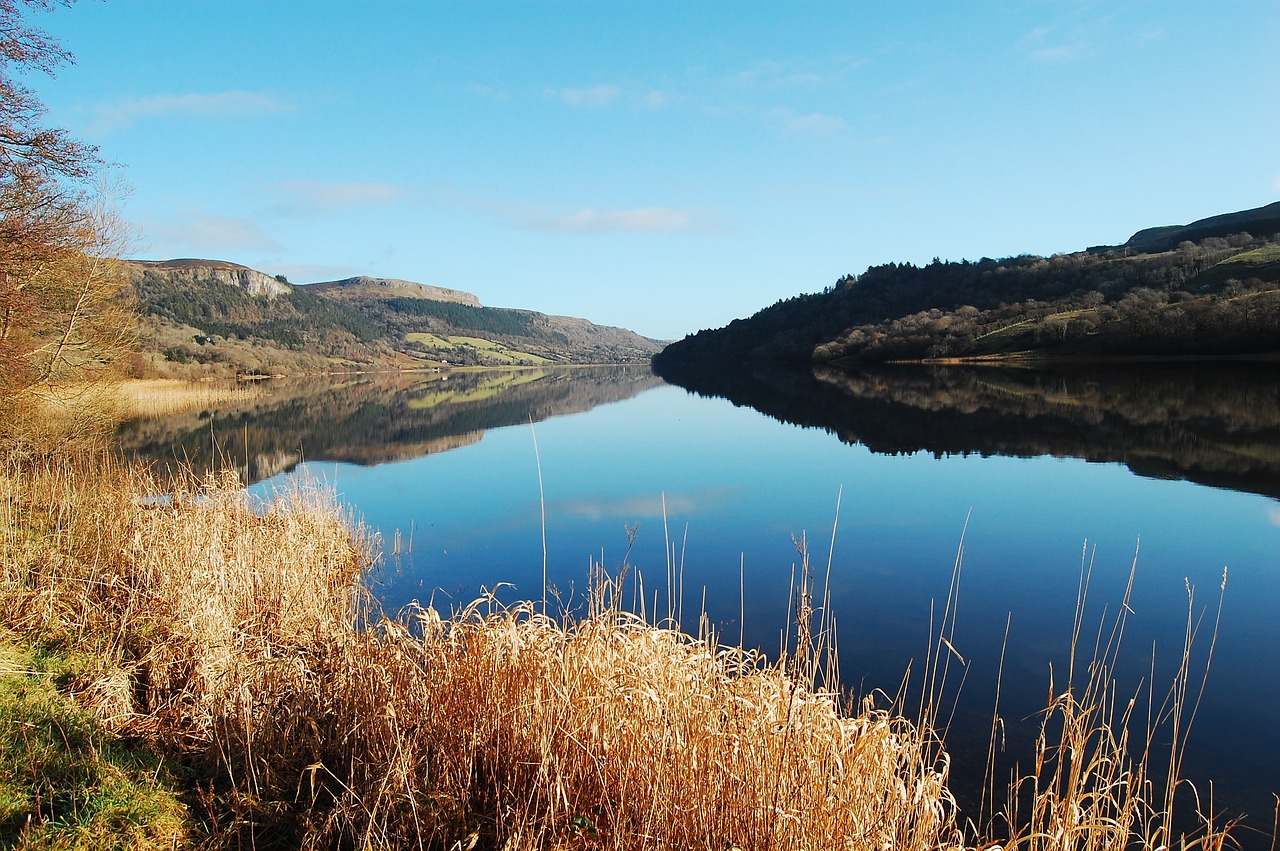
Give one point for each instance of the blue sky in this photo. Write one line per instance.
(664, 166)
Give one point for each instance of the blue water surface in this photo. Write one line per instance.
(724, 492)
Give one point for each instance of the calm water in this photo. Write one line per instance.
(992, 458)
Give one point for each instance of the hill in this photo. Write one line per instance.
(1211, 288)
(211, 316)
(362, 287)
(1258, 222)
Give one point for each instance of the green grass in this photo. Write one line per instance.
(66, 782)
(1262, 263)
(489, 350)
(1258, 256)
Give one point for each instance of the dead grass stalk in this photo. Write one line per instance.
(249, 647)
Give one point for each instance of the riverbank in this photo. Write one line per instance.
(235, 645)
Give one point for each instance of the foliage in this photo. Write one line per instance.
(1198, 298)
(466, 317)
(297, 319)
(62, 316)
(302, 324)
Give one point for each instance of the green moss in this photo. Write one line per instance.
(65, 780)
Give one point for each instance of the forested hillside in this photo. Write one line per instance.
(207, 315)
(1212, 295)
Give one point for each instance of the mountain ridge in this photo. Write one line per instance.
(367, 285)
(203, 317)
(1265, 219)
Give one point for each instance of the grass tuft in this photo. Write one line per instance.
(65, 780)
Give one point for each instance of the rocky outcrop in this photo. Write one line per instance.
(363, 285)
(189, 271)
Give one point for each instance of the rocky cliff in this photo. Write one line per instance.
(189, 271)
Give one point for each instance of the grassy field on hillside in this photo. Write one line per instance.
(487, 351)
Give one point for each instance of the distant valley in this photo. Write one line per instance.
(202, 317)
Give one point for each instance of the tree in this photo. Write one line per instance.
(28, 149)
(63, 316)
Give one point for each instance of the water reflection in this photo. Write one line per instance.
(1210, 424)
(720, 491)
(1216, 425)
(372, 419)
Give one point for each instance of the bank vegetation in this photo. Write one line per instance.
(231, 650)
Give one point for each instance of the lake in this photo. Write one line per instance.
(1033, 474)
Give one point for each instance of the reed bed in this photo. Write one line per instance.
(613, 733)
(157, 397)
(239, 637)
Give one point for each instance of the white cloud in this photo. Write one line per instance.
(655, 100)
(814, 123)
(1152, 35)
(1051, 46)
(489, 92)
(640, 220)
(594, 96)
(1060, 53)
(314, 197)
(207, 236)
(776, 75)
(229, 104)
(1273, 514)
(549, 218)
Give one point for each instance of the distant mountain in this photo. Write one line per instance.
(1210, 288)
(232, 274)
(202, 316)
(365, 287)
(1258, 222)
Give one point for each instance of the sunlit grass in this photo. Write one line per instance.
(155, 397)
(237, 636)
(66, 781)
(489, 349)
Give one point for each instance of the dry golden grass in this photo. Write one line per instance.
(156, 397)
(612, 733)
(242, 639)
(44, 420)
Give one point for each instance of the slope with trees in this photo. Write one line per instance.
(205, 316)
(1208, 295)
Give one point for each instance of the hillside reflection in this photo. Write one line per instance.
(1213, 424)
(371, 419)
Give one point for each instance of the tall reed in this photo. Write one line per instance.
(245, 642)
